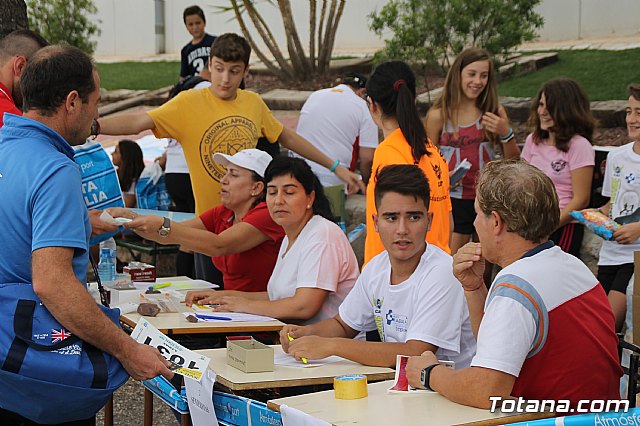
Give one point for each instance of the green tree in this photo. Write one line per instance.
(64, 21)
(13, 16)
(430, 31)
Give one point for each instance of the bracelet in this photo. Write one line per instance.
(508, 137)
(335, 166)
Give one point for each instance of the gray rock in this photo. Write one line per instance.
(590, 250)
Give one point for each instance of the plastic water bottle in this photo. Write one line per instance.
(356, 232)
(107, 265)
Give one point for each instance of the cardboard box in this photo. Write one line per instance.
(119, 297)
(249, 356)
(141, 272)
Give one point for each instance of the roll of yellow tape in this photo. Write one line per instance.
(352, 386)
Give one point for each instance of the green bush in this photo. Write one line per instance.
(427, 32)
(64, 21)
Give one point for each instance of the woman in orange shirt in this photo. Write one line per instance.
(391, 93)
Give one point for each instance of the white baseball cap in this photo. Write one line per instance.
(251, 159)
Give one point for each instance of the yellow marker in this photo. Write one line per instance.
(159, 286)
(291, 340)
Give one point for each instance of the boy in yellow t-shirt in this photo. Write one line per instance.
(220, 118)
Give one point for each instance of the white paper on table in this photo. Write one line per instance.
(200, 399)
(177, 285)
(287, 360)
(186, 362)
(294, 417)
(233, 316)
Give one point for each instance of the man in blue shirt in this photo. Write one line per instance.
(43, 213)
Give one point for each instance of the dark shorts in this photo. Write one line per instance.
(569, 238)
(615, 277)
(463, 216)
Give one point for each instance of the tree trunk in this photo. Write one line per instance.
(267, 37)
(296, 51)
(323, 14)
(332, 33)
(13, 16)
(312, 34)
(243, 27)
(324, 57)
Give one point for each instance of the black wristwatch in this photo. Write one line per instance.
(165, 228)
(425, 376)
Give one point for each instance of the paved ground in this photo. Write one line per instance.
(128, 406)
(613, 42)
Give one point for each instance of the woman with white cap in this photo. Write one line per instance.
(239, 235)
(316, 266)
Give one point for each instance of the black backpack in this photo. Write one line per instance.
(186, 84)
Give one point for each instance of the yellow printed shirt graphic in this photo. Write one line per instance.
(204, 125)
(377, 315)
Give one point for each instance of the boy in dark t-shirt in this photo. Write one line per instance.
(195, 54)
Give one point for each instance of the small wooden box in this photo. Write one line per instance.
(249, 356)
(141, 272)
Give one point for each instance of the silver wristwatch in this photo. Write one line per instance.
(165, 228)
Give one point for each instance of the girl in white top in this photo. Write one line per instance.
(316, 267)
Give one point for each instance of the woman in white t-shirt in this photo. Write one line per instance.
(560, 146)
(316, 267)
(127, 157)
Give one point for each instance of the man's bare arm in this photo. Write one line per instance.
(69, 302)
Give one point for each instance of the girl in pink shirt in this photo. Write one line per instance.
(560, 146)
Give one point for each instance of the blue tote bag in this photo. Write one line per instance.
(47, 374)
(151, 189)
(100, 185)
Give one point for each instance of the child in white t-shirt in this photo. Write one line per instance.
(407, 293)
(622, 184)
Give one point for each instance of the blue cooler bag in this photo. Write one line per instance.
(47, 374)
(100, 185)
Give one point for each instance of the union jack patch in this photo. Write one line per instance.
(59, 335)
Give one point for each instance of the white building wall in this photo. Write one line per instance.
(577, 19)
(128, 26)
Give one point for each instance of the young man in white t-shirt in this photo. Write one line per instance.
(622, 184)
(407, 293)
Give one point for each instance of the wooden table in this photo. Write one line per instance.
(175, 323)
(283, 376)
(383, 408)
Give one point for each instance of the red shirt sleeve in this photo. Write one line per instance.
(260, 218)
(214, 219)
(7, 105)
